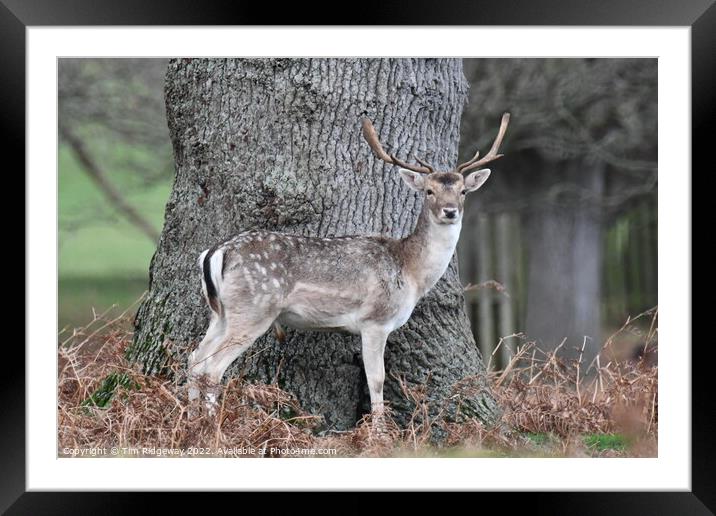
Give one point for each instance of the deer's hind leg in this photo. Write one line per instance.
(212, 358)
(214, 333)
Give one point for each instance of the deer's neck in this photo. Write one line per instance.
(428, 250)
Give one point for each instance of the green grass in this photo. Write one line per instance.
(104, 260)
(94, 239)
(456, 453)
(78, 296)
(603, 442)
(540, 439)
(543, 446)
(105, 251)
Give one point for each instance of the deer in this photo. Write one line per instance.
(364, 285)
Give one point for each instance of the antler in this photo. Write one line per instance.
(490, 156)
(372, 138)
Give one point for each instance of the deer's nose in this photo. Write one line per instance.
(450, 213)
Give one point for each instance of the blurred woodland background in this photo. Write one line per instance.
(562, 243)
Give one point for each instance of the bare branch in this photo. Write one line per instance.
(105, 185)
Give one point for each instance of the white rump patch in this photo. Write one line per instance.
(216, 264)
(201, 259)
(201, 268)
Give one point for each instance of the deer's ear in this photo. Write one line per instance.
(413, 179)
(476, 179)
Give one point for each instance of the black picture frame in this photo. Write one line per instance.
(17, 15)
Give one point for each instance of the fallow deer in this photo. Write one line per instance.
(365, 285)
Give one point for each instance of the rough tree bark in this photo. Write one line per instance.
(276, 144)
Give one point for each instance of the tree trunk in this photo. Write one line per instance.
(486, 329)
(276, 144)
(504, 274)
(564, 272)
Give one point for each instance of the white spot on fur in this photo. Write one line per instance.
(276, 283)
(249, 279)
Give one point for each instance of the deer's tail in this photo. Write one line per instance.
(211, 263)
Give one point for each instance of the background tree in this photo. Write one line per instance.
(115, 172)
(104, 103)
(276, 144)
(582, 150)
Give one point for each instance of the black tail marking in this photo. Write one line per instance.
(210, 287)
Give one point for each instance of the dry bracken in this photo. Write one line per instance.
(105, 401)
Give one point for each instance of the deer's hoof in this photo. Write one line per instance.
(211, 403)
(202, 398)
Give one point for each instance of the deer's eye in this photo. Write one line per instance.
(463, 192)
(429, 192)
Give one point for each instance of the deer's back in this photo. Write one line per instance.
(315, 282)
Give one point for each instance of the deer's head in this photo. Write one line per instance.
(444, 191)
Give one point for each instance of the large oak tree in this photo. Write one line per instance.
(276, 144)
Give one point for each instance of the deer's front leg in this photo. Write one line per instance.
(373, 348)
